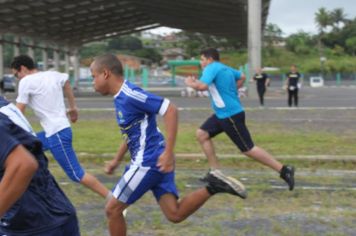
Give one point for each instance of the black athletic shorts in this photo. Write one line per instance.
(233, 126)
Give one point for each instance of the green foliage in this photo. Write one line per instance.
(322, 19)
(149, 53)
(125, 43)
(93, 49)
(351, 44)
(194, 42)
(234, 59)
(107, 139)
(300, 43)
(307, 63)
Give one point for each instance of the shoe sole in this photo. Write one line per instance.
(292, 174)
(236, 185)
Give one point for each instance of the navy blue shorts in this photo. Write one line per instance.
(70, 228)
(233, 126)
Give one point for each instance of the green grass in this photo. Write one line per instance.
(267, 210)
(103, 136)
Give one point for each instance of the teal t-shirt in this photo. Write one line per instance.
(223, 92)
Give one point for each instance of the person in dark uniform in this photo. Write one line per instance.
(31, 202)
(262, 81)
(292, 85)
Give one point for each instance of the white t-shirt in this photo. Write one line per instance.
(43, 92)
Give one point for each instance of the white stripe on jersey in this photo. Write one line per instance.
(134, 94)
(16, 116)
(164, 107)
(139, 156)
(219, 102)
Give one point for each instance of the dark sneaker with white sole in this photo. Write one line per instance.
(205, 178)
(287, 174)
(220, 183)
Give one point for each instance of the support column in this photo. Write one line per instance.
(30, 50)
(76, 68)
(1, 58)
(254, 39)
(45, 57)
(56, 59)
(16, 46)
(66, 61)
(67, 65)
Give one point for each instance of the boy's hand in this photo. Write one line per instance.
(111, 166)
(73, 114)
(189, 81)
(166, 162)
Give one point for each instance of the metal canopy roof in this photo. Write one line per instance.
(75, 22)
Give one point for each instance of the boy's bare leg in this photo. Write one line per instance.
(264, 157)
(116, 220)
(178, 210)
(94, 184)
(208, 148)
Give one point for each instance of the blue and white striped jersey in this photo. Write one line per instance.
(136, 112)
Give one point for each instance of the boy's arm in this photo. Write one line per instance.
(195, 84)
(240, 82)
(114, 163)
(166, 160)
(72, 111)
(268, 81)
(21, 107)
(19, 166)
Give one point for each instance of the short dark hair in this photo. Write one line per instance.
(110, 62)
(23, 60)
(211, 53)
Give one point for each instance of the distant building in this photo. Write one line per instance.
(274, 41)
(149, 35)
(132, 61)
(173, 54)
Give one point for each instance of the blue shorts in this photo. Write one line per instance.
(60, 145)
(137, 180)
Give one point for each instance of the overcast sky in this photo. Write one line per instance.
(294, 15)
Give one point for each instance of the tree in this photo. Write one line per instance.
(340, 35)
(272, 35)
(300, 43)
(194, 42)
(337, 16)
(351, 45)
(92, 49)
(322, 19)
(129, 42)
(149, 53)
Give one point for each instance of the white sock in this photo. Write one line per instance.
(108, 196)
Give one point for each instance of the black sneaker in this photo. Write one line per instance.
(219, 183)
(287, 174)
(205, 178)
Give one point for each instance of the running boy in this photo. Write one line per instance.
(43, 92)
(222, 82)
(152, 158)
